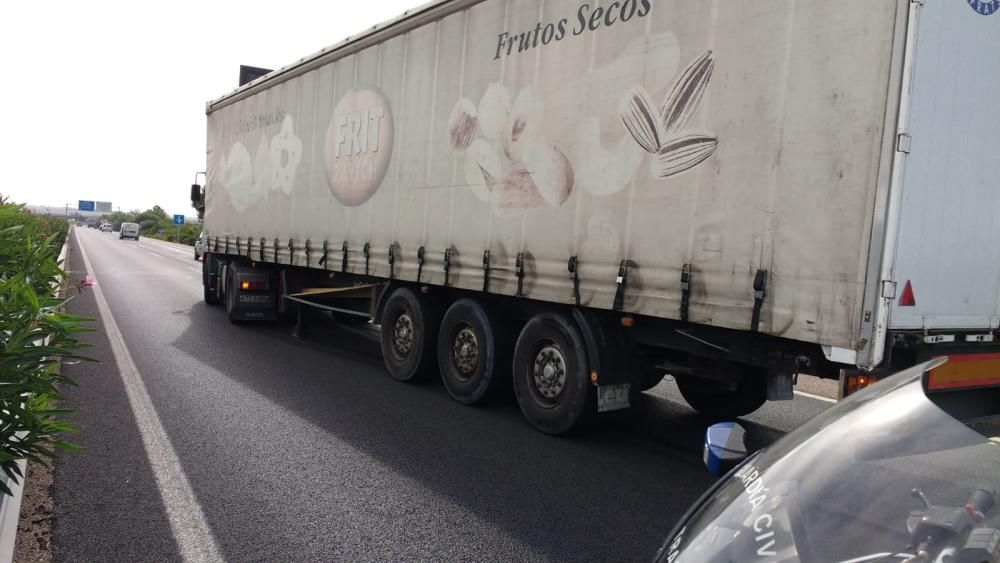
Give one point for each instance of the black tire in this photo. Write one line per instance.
(711, 399)
(208, 266)
(195, 255)
(474, 352)
(409, 332)
(551, 404)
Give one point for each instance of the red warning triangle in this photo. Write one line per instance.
(906, 299)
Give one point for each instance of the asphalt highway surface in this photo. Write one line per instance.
(240, 442)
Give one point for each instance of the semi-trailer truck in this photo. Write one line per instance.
(570, 199)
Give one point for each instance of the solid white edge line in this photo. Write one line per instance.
(162, 244)
(817, 397)
(187, 520)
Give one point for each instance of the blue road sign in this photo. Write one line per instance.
(178, 219)
(85, 205)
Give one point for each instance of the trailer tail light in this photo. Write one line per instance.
(906, 299)
(965, 371)
(852, 383)
(254, 285)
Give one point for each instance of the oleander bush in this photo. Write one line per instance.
(35, 335)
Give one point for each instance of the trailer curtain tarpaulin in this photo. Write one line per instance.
(737, 137)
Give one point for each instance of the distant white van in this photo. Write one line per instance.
(129, 230)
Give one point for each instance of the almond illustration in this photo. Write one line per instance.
(550, 170)
(482, 168)
(641, 120)
(685, 96)
(463, 124)
(683, 152)
(516, 194)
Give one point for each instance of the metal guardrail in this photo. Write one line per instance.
(10, 506)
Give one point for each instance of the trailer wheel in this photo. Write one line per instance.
(208, 267)
(408, 330)
(473, 351)
(713, 400)
(551, 375)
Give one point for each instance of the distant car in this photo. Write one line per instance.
(129, 230)
(106, 228)
(199, 246)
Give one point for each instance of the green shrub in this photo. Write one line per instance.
(34, 336)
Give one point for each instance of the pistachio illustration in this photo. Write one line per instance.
(524, 123)
(683, 152)
(494, 111)
(685, 96)
(641, 120)
(549, 169)
(463, 124)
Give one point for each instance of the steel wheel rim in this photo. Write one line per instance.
(402, 335)
(548, 372)
(465, 352)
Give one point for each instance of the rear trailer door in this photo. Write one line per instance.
(947, 260)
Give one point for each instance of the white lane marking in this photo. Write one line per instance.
(187, 520)
(817, 397)
(161, 244)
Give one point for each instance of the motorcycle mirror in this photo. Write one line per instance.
(725, 447)
(195, 193)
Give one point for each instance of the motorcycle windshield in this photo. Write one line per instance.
(841, 487)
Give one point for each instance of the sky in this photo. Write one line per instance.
(105, 100)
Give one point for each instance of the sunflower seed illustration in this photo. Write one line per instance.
(683, 152)
(641, 120)
(550, 170)
(685, 96)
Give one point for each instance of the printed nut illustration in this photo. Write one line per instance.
(662, 133)
(508, 162)
(248, 179)
(286, 153)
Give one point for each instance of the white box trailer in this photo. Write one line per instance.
(729, 191)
